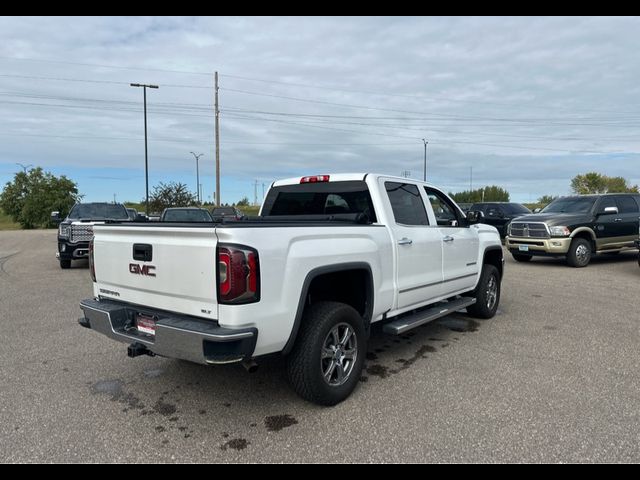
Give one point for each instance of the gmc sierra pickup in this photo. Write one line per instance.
(328, 256)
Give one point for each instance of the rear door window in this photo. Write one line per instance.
(627, 205)
(406, 203)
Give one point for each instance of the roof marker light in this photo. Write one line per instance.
(315, 179)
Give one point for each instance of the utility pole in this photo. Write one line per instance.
(255, 192)
(424, 173)
(263, 191)
(146, 160)
(198, 175)
(471, 179)
(406, 173)
(217, 143)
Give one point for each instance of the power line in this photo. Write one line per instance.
(118, 67)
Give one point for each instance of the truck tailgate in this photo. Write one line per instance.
(172, 268)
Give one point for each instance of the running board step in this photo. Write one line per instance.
(404, 324)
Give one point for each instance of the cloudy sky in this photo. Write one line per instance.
(524, 103)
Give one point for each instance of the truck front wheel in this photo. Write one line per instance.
(65, 263)
(325, 364)
(580, 252)
(487, 294)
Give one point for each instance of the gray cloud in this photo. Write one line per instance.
(527, 102)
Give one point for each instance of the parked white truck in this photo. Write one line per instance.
(328, 256)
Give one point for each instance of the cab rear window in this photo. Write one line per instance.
(326, 198)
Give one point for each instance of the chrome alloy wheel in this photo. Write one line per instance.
(492, 292)
(582, 254)
(339, 354)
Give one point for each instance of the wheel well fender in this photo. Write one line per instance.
(350, 283)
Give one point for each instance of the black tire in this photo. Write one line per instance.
(519, 257)
(306, 367)
(579, 254)
(65, 263)
(487, 294)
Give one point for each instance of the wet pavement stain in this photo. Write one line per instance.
(278, 422)
(108, 387)
(421, 353)
(459, 324)
(550, 327)
(235, 444)
(165, 409)
(371, 356)
(378, 371)
(364, 379)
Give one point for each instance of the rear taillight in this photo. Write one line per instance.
(238, 274)
(92, 265)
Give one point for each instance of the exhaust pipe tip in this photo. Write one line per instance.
(250, 365)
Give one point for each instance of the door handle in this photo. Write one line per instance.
(448, 238)
(405, 241)
(617, 219)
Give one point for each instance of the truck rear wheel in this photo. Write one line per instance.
(487, 294)
(325, 364)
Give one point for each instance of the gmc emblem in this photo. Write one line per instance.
(142, 269)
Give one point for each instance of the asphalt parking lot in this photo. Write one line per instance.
(554, 377)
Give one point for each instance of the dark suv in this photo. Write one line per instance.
(76, 231)
(577, 228)
(499, 214)
(221, 213)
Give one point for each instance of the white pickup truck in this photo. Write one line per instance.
(328, 256)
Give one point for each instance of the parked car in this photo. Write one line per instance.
(301, 280)
(500, 214)
(76, 230)
(577, 228)
(221, 213)
(133, 213)
(186, 214)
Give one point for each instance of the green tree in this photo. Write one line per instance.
(244, 202)
(31, 197)
(172, 194)
(547, 199)
(593, 182)
(490, 193)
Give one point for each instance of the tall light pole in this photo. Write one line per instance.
(424, 172)
(146, 160)
(198, 174)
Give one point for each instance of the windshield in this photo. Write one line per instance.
(187, 216)
(570, 205)
(99, 210)
(517, 208)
